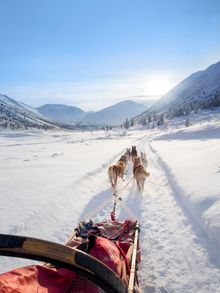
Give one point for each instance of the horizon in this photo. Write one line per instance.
(93, 55)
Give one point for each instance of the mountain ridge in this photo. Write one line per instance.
(62, 113)
(112, 115)
(197, 86)
(200, 90)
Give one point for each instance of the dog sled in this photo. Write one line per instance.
(98, 257)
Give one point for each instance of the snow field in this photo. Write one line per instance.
(50, 181)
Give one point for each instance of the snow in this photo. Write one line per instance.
(195, 168)
(52, 180)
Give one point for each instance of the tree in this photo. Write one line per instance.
(187, 123)
(2, 108)
(161, 120)
(143, 121)
(126, 124)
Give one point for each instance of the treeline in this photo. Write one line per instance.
(153, 118)
(211, 103)
(13, 124)
(146, 119)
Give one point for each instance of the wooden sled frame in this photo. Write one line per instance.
(62, 256)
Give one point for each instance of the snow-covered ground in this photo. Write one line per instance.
(51, 180)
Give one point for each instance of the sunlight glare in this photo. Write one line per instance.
(159, 84)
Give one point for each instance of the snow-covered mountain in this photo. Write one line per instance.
(201, 90)
(17, 115)
(114, 115)
(62, 113)
(197, 88)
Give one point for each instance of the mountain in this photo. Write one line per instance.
(114, 115)
(200, 90)
(62, 113)
(17, 115)
(195, 89)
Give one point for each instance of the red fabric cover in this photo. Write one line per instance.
(106, 251)
(39, 279)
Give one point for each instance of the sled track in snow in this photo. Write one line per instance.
(182, 202)
(178, 247)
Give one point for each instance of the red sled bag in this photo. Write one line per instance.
(109, 244)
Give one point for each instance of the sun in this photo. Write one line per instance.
(159, 84)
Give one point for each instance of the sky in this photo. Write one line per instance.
(94, 53)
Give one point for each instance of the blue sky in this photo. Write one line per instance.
(93, 53)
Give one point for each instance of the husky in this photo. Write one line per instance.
(116, 171)
(140, 173)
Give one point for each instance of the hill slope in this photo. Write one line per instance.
(62, 113)
(16, 115)
(198, 87)
(201, 90)
(114, 115)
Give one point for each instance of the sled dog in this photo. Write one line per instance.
(116, 171)
(128, 154)
(133, 152)
(140, 173)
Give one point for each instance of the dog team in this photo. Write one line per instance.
(140, 173)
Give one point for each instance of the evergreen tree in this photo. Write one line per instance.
(161, 120)
(187, 124)
(143, 121)
(126, 124)
(1, 108)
